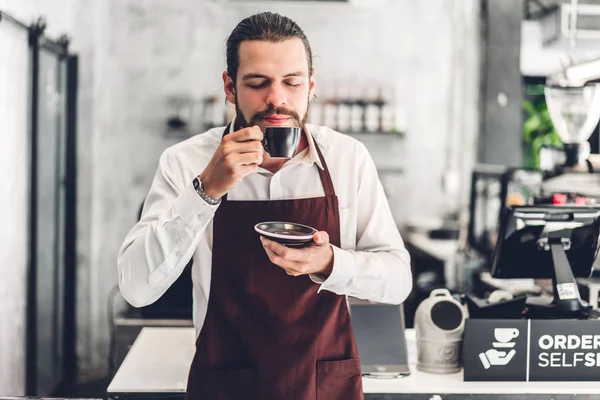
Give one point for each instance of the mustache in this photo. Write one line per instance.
(272, 110)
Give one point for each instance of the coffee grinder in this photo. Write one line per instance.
(573, 99)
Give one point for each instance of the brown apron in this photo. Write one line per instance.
(268, 335)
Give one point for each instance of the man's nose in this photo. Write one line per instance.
(277, 96)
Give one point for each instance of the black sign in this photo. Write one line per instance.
(564, 350)
(534, 350)
(495, 350)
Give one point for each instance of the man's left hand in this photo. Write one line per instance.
(314, 259)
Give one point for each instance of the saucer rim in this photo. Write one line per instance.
(289, 238)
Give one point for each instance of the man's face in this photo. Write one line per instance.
(272, 86)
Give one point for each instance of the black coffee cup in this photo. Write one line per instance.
(281, 141)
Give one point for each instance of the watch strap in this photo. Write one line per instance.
(198, 187)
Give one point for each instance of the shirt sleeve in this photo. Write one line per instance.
(379, 269)
(160, 245)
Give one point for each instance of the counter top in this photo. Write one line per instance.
(159, 361)
(441, 249)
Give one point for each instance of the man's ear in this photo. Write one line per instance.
(312, 84)
(229, 87)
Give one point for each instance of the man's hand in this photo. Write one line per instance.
(238, 155)
(314, 259)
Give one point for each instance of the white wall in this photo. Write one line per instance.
(14, 179)
(14, 195)
(57, 13)
(145, 51)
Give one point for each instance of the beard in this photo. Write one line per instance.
(241, 122)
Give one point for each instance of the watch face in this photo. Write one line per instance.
(196, 183)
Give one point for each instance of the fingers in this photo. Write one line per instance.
(321, 237)
(247, 159)
(243, 135)
(252, 146)
(238, 155)
(233, 159)
(290, 267)
(303, 255)
(243, 153)
(307, 260)
(295, 255)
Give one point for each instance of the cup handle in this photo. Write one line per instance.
(265, 145)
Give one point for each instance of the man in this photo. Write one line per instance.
(272, 321)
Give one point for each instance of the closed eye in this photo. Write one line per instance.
(267, 83)
(258, 86)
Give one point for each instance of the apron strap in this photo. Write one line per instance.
(324, 173)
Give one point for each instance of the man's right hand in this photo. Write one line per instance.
(238, 155)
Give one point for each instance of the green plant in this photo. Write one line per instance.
(538, 131)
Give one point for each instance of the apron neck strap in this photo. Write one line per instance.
(324, 173)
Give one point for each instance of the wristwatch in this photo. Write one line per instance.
(201, 193)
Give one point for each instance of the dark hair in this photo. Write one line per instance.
(266, 26)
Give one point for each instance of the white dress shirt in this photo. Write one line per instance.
(177, 224)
